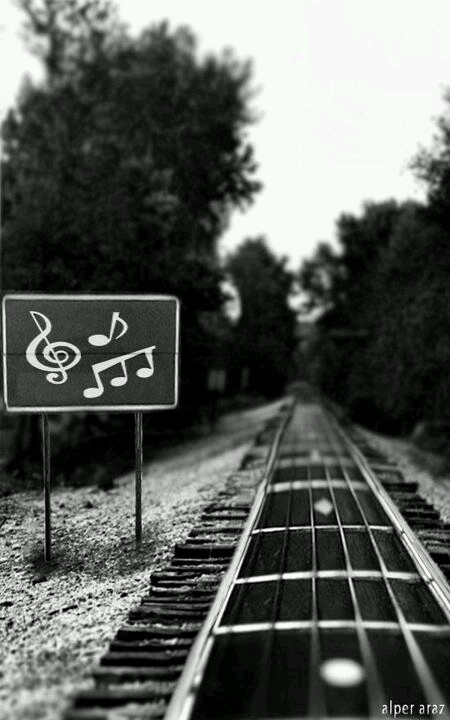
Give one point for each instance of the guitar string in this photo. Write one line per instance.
(316, 698)
(373, 684)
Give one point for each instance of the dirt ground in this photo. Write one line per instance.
(56, 620)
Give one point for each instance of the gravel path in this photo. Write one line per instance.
(55, 621)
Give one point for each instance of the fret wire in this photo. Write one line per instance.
(425, 676)
(389, 625)
(316, 700)
(373, 684)
(285, 486)
(309, 574)
(280, 528)
(300, 462)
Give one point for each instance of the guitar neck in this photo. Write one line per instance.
(329, 613)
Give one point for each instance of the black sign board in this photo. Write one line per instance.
(90, 352)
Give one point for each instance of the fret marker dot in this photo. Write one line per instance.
(323, 506)
(342, 672)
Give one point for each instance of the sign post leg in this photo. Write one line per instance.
(138, 485)
(46, 479)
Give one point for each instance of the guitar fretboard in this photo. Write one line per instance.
(329, 614)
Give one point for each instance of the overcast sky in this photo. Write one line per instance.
(348, 90)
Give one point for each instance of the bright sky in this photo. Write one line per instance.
(348, 90)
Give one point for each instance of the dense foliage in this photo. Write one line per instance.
(264, 338)
(383, 341)
(432, 166)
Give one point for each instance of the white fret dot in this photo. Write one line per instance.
(323, 506)
(342, 672)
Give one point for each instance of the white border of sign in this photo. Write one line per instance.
(83, 408)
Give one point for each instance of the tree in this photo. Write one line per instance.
(339, 282)
(320, 278)
(384, 350)
(67, 34)
(265, 333)
(87, 181)
(432, 166)
(409, 353)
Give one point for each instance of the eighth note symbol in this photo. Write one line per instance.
(100, 339)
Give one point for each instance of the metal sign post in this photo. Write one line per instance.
(47, 488)
(138, 482)
(90, 352)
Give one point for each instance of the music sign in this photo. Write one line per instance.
(90, 352)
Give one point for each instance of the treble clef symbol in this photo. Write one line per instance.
(56, 354)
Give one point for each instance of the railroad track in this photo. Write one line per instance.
(327, 585)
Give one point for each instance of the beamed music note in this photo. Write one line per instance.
(122, 378)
